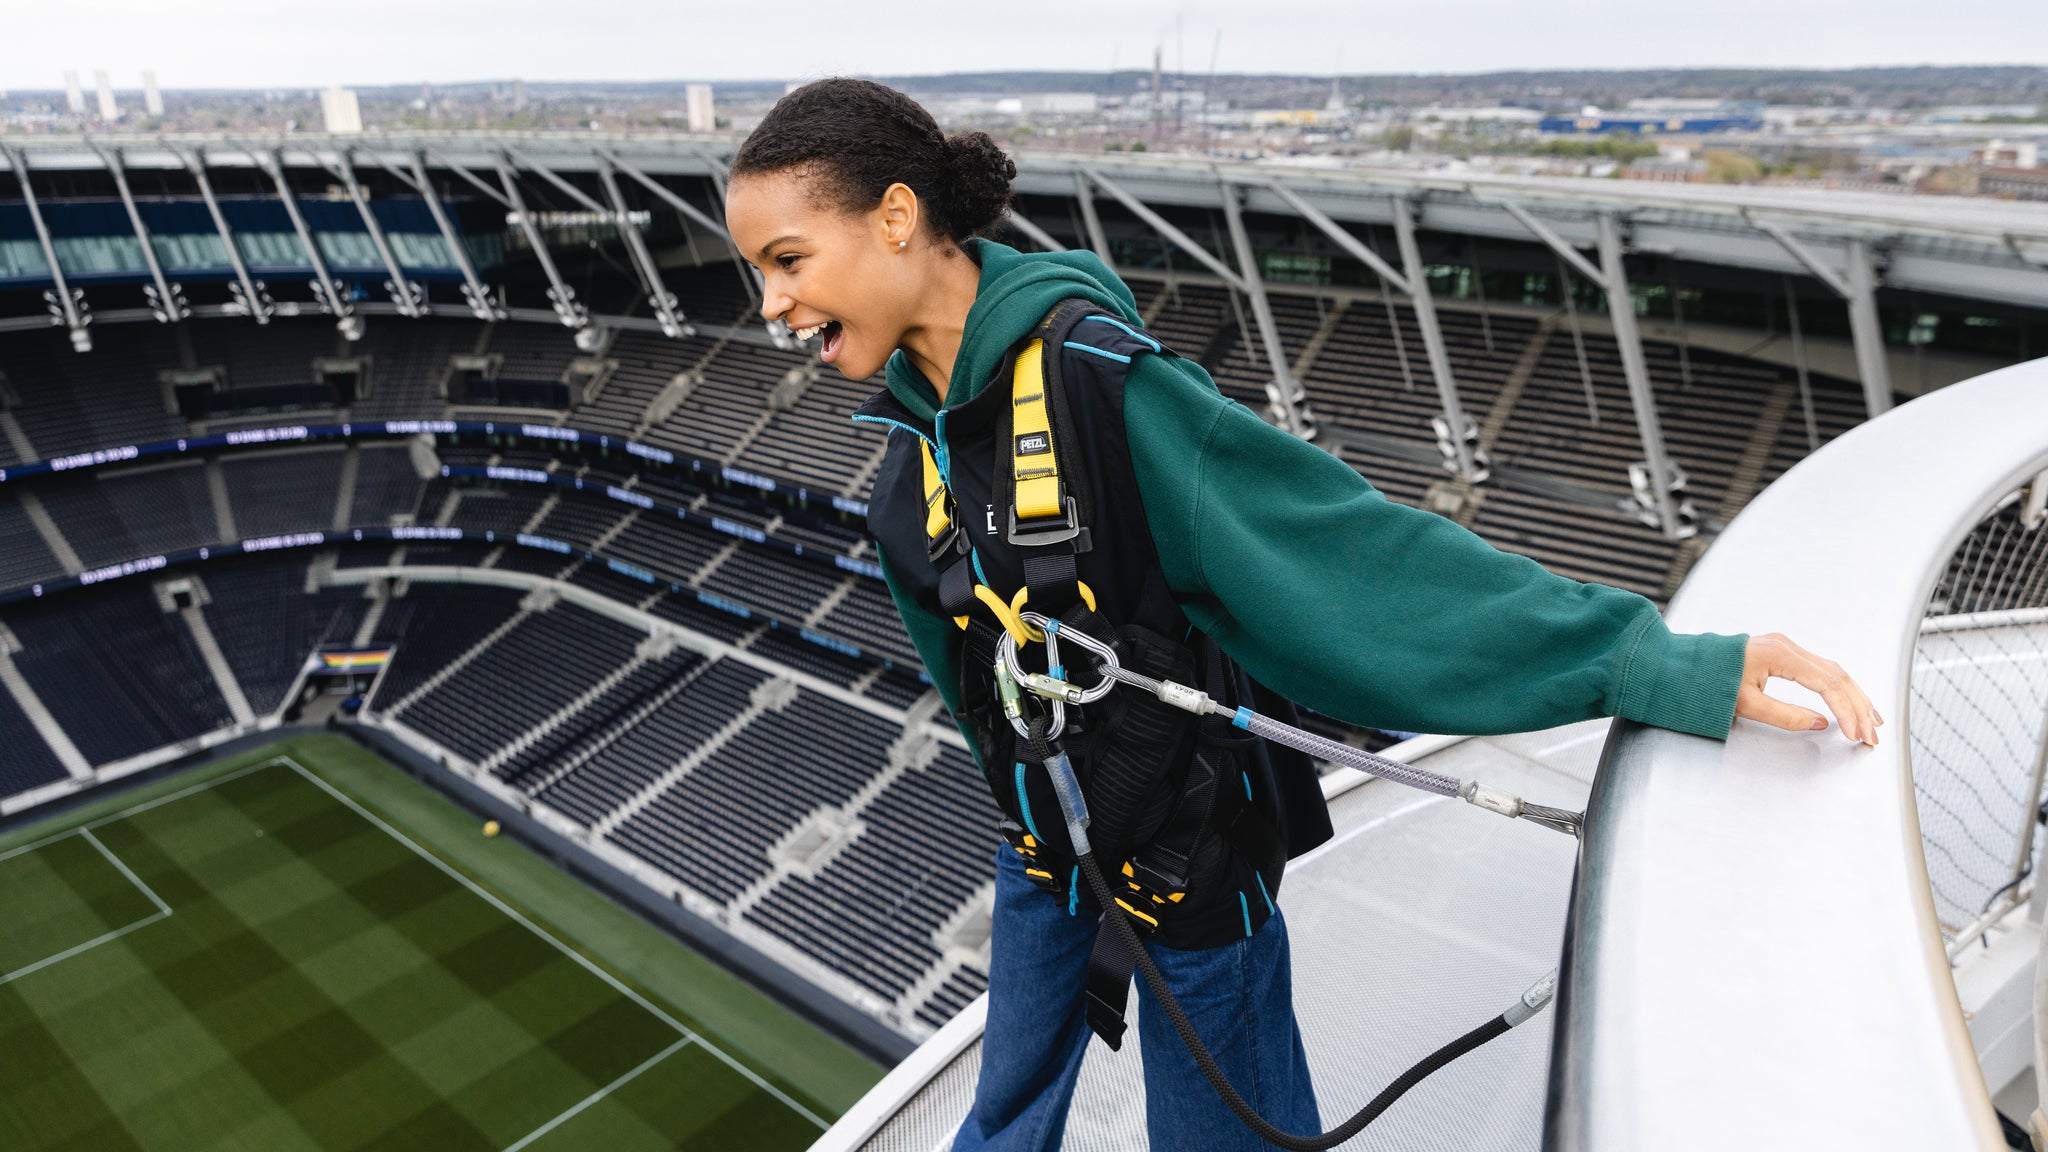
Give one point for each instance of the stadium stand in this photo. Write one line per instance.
(122, 676)
(779, 770)
(29, 762)
(551, 657)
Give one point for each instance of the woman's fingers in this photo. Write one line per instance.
(1778, 714)
(1859, 722)
(1778, 656)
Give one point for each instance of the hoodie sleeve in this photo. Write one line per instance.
(1385, 615)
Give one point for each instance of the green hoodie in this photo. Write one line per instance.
(1319, 586)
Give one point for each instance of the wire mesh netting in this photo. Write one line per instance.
(1979, 713)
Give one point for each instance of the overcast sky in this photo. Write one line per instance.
(264, 43)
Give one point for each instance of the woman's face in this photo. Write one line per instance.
(842, 276)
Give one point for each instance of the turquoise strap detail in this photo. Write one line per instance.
(1245, 908)
(1133, 332)
(1024, 802)
(1262, 891)
(1074, 892)
(1099, 352)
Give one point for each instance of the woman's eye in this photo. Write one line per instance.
(786, 261)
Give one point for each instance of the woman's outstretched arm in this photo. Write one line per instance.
(1382, 614)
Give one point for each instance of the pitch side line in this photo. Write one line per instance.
(564, 949)
(163, 910)
(123, 814)
(601, 1093)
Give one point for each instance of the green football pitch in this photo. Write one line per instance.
(303, 948)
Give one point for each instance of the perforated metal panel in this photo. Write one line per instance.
(927, 1124)
(1422, 919)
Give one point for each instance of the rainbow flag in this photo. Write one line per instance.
(361, 660)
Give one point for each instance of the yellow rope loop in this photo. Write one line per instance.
(1010, 615)
(1024, 594)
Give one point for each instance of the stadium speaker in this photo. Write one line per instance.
(194, 400)
(342, 383)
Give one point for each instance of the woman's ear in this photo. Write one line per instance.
(898, 216)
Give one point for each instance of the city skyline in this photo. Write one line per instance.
(215, 44)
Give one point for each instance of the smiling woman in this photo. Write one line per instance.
(853, 204)
(1056, 475)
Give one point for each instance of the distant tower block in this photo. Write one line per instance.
(152, 97)
(697, 102)
(74, 96)
(343, 115)
(108, 111)
(519, 95)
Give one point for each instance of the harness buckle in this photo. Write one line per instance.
(946, 543)
(1026, 846)
(1034, 536)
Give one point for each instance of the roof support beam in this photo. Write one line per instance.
(1285, 397)
(1807, 258)
(410, 297)
(664, 301)
(572, 314)
(473, 291)
(1158, 223)
(1659, 481)
(1457, 436)
(688, 210)
(750, 277)
(1859, 289)
(1865, 330)
(64, 304)
(478, 182)
(166, 301)
(1090, 222)
(1553, 241)
(248, 292)
(1343, 238)
(567, 189)
(325, 286)
(1039, 236)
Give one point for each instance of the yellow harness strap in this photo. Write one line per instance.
(937, 508)
(1032, 457)
(1037, 470)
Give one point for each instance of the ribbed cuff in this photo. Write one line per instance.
(1686, 682)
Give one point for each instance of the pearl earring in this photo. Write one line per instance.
(903, 243)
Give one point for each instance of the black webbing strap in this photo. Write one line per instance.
(1109, 982)
(956, 587)
(1052, 576)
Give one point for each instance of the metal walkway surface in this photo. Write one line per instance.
(1419, 920)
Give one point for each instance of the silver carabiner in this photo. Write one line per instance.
(1103, 653)
(1006, 655)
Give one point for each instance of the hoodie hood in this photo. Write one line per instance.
(1016, 290)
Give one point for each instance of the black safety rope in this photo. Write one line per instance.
(1213, 1072)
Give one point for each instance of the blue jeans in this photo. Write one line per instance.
(1239, 996)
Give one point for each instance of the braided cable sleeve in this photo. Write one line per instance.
(1213, 1072)
(1344, 754)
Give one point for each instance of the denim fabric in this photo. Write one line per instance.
(1239, 996)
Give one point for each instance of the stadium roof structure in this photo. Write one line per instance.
(1851, 243)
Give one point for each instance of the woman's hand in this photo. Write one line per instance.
(1774, 655)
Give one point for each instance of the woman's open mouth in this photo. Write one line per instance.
(834, 334)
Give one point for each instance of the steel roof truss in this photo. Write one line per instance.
(65, 304)
(249, 292)
(165, 298)
(664, 301)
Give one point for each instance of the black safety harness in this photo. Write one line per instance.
(1170, 786)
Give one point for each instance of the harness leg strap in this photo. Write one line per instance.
(1109, 984)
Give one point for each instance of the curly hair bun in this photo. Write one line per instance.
(979, 191)
(857, 137)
